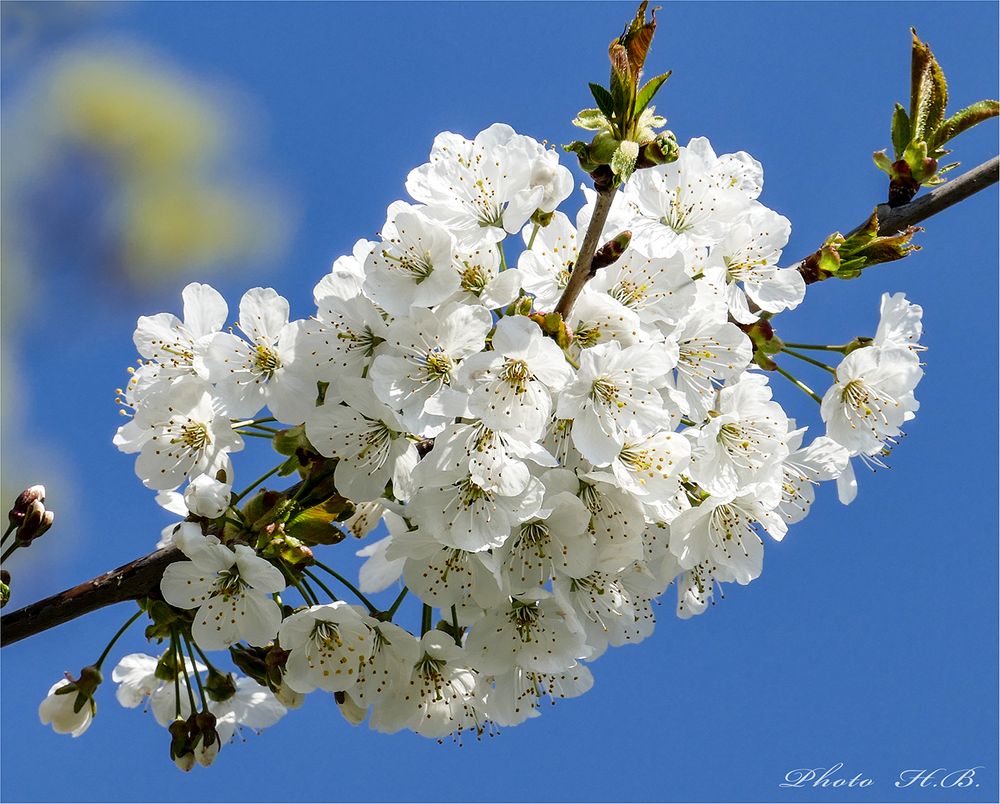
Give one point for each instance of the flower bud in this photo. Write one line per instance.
(660, 151)
(180, 745)
(207, 497)
(610, 252)
(185, 761)
(206, 741)
(36, 521)
(31, 494)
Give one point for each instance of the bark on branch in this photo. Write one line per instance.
(138, 578)
(129, 582)
(585, 256)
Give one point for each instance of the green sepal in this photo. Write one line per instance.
(555, 327)
(763, 338)
(293, 443)
(220, 686)
(883, 162)
(582, 151)
(542, 218)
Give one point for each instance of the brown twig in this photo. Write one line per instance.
(129, 582)
(585, 255)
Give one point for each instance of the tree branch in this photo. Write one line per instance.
(585, 256)
(894, 220)
(129, 582)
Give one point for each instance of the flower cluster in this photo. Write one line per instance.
(541, 480)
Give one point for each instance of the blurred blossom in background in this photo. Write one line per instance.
(122, 172)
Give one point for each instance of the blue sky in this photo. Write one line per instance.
(871, 637)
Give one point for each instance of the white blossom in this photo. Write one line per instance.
(230, 588)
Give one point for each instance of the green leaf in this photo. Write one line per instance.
(929, 96)
(866, 247)
(622, 87)
(604, 100)
(919, 56)
(900, 130)
(964, 120)
(650, 89)
(862, 237)
(315, 526)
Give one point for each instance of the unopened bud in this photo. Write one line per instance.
(31, 494)
(206, 739)
(554, 326)
(207, 750)
(618, 57)
(185, 761)
(610, 252)
(660, 151)
(36, 521)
